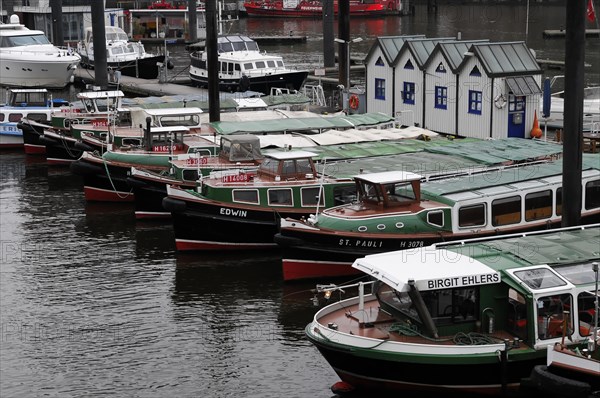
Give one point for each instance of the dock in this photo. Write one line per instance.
(554, 33)
(552, 64)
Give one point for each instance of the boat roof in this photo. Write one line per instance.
(480, 261)
(387, 177)
(28, 90)
(100, 94)
(241, 138)
(169, 129)
(290, 155)
(301, 124)
(172, 111)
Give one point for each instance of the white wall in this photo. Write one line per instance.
(440, 120)
(412, 113)
(385, 72)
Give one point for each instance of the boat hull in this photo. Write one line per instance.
(100, 185)
(371, 370)
(10, 138)
(143, 68)
(290, 80)
(24, 69)
(148, 198)
(31, 138)
(316, 10)
(313, 253)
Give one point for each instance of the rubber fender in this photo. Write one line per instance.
(83, 168)
(173, 205)
(170, 64)
(553, 385)
(83, 147)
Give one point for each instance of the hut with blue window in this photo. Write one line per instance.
(499, 91)
(409, 93)
(380, 69)
(442, 85)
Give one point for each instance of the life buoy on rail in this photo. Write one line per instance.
(353, 102)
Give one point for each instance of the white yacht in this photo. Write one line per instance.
(28, 59)
(129, 58)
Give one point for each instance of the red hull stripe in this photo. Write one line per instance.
(35, 149)
(15, 145)
(298, 269)
(103, 195)
(185, 244)
(150, 214)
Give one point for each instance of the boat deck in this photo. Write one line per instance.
(379, 323)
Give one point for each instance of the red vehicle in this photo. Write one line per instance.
(314, 8)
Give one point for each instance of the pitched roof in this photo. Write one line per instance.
(453, 52)
(390, 46)
(506, 59)
(421, 49)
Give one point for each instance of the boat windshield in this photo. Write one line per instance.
(114, 36)
(18, 41)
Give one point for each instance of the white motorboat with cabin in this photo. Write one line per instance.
(28, 59)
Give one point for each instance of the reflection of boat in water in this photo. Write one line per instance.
(28, 59)
(485, 308)
(314, 8)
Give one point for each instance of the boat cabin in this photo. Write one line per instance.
(34, 104)
(101, 101)
(165, 139)
(389, 188)
(288, 166)
(240, 148)
(502, 288)
(168, 117)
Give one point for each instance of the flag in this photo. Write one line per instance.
(591, 14)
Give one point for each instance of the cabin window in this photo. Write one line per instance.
(1, 117)
(260, 64)
(408, 94)
(558, 201)
(445, 306)
(245, 195)
(280, 197)
(179, 120)
(506, 211)
(14, 117)
(475, 102)
(400, 192)
(248, 66)
(271, 64)
(585, 313)
(190, 175)
(436, 218)
(344, 194)
(280, 64)
(371, 192)
(516, 316)
(38, 117)
(309, 196)
(293, 168)
(132, 141)
(269, 166)
(230, 68)
(226, 47)
(471, 216)
(380, 89)
(551, 315)
(441, 97)
(237, 67)
(538, 205)
(202, 64)
(592, 194)
(223, 67)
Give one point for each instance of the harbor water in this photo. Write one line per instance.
(95, 303)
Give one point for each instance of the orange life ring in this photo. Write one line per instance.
(353, 102)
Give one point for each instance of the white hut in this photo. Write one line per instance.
(442, 85)
(499, 91)
(379, 73)
(409, 93)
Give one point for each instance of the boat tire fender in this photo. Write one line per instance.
(546, 381)
(173, 205)
(83, 147)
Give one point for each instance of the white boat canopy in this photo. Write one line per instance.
(387, 177)
(428, 267)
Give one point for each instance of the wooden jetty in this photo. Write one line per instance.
(554, 33)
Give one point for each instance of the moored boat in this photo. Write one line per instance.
(126, 57)
(243, 67)
(473, 316)
(28, 59)
(314, 8)
(34, 104)
(397, 210)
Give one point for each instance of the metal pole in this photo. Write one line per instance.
(596, 309)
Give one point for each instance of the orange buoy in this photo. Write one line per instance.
(536, 131)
